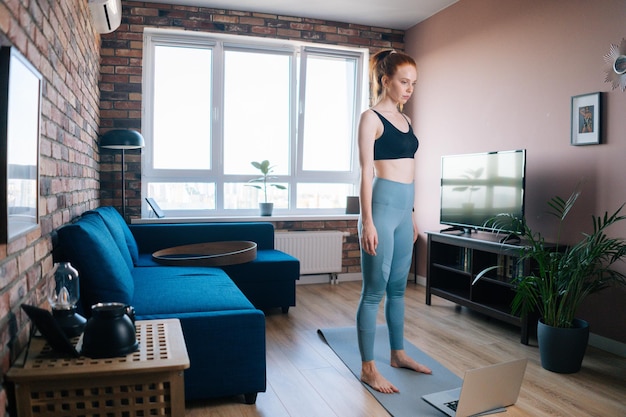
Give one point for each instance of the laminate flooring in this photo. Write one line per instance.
(306, 379)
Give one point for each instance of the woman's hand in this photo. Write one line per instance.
(369, 239)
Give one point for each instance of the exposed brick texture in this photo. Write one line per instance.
(58, 39)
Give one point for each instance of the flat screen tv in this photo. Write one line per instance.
(477, 187)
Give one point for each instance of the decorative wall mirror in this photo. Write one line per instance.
(616, 61)
(20, 109)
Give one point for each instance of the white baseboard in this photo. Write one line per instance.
(608, 345)
(420, 280)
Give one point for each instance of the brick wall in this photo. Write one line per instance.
(121, 82)
(57, 37)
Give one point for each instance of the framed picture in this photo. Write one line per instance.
(20, 110)
(586, 119)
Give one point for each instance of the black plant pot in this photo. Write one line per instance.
(562, 349)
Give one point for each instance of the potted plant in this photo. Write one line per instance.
(262, 183)
(561, 277)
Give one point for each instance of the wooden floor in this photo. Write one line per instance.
(305, 378)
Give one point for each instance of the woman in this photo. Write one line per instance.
(387, 229)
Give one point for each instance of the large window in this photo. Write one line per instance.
(213, 104)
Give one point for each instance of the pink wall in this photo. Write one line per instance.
(499, 75)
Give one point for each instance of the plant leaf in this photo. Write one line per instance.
(483, 272)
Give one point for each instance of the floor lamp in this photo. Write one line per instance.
(122, 139)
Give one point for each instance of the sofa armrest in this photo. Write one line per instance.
(153, 237)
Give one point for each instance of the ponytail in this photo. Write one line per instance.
(385, 62)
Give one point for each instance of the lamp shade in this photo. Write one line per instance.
(122, 139)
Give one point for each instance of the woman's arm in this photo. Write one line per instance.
(415, 229)
(367, 134)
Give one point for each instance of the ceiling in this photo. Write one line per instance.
(393, 14)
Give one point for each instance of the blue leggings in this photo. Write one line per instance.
(386, 273)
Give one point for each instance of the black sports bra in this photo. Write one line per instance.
(394, 144)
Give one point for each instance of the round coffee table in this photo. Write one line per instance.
(207, 254)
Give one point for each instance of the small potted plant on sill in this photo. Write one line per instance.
(561, 277)
(262, 183)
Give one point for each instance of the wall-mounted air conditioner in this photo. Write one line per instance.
(106, 14)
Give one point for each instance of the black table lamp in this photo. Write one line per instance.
(122, 139)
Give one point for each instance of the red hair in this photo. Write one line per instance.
(385, 62)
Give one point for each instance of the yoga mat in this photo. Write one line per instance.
(412, 385)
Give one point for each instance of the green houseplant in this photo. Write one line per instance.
(263, 182)
(562, 276)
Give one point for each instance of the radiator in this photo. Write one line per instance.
(319, 252)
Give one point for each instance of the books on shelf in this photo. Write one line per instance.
(465, 259)
(510, 268)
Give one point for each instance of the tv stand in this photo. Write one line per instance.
(462, 230)
(455, 260)
(510, 238)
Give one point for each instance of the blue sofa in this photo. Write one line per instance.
(268, 282)
(219, 308)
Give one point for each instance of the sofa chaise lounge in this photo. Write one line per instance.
(219, 307)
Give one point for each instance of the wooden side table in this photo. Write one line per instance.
(146, 382)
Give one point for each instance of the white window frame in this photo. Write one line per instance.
(218, 43)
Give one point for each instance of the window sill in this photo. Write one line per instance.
(236, 219)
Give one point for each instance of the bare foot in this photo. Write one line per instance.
(373, 378)
(399, 359)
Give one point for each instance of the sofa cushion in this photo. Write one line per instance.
(153, 237)
(103, 272)
(269, 280)
(171, 289)
(145, 259)
(120, 232)
(269, 265)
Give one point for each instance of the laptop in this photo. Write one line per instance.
(484, 391)
(155, 207)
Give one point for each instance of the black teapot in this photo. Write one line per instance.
(110, 331)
